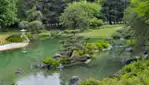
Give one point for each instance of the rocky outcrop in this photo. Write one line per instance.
(74, 80)
(42, 65)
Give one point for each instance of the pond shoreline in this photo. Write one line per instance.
(12, 46)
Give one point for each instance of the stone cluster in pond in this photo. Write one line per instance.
(74, 80)
(19, 71)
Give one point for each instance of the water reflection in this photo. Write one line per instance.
(40, 79)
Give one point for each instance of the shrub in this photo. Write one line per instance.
(130, 42)
(64, 60)
(90, 81)
(14, 38)
(132, 74)
(96, 22)
(88, 49)
(34, 26)
(51, 62)
(116, 35)
(101, 44)
(54, 33)
(23, 24)
(125, 33)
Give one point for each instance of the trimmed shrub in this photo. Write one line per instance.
(14, 38)
(101, 44)
(88, 49)
(23, 24)
(34, 26)
(51, 62)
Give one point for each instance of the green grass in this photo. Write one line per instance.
(104, 31)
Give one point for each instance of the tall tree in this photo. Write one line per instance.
(8, 12)
(51, 9)
(113, 10)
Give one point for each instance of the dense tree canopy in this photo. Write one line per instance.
(113, 10)
(8, 12)
(81, 15)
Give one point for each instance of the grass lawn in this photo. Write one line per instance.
(104, 31)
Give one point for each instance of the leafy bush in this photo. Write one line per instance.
(96, 22)
(64, 60)
(116, 35)
(54, 33)
(14, 38)
(130, 42)
(125, 33)
(34, 26)
(132, 74)
(80, 15)
(23, 24)
(101, 44)
(88, 49)
(51, 62)
(90, 81)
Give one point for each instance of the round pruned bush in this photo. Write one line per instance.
(23, 24)
(51, 62)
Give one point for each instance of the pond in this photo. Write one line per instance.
(103, 66)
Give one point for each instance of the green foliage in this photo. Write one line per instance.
(51, 62)
(8, 12)
(88, 49)
(130, 42)
(90, 81)
(141, 7)
(72, 31)
(126, 33)
(94, 22)
(23, 24)
(132, 74)
(74, 17)
(33, 15)
(14, 38)
(116, 35)
(101, 44)
(64, 60)
(34, 26)
(81, 15)
(113, 10)
(43, 35)
(50, 9)
(54, 34)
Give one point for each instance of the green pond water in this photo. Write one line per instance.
(105, 64)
